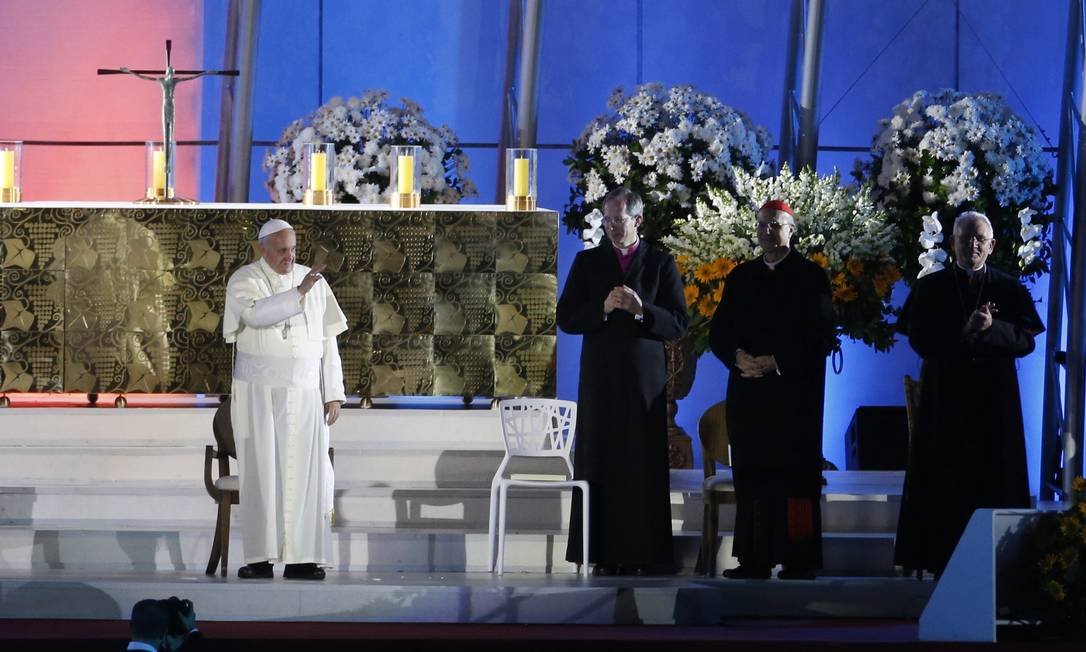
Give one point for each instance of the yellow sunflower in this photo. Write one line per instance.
(854, 267)
(722, 267)
(683, 263)
(844, 293)
(691, 293)
(704, 272)
(820, 259)
(706, 306)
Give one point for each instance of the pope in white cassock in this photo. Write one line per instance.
(287, 390)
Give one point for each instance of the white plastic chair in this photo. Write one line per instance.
(534, 427)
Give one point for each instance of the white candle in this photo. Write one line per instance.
(405, 175)
(318, 163)
(7, 169)
(158, 169)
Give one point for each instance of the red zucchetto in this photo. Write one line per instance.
(777, 205)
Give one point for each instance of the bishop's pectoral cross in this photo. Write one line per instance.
(168, 81)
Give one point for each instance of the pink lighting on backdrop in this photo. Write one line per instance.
(49, 56)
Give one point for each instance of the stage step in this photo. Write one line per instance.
(101, 545)
(421, 504)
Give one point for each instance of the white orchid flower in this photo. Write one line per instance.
(1031, 231)
(1028, 252)
(1025, 217)
(932, 225)
(931, 261)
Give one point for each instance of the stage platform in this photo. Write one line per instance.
(101, 507)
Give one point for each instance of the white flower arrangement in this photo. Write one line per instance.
(364, 129)
(839, 229)
(949, 152)
(668, 146)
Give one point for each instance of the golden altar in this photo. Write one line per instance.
(119, 297)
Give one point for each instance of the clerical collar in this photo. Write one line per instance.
(627, 251)
(972, 272)
(773, 266)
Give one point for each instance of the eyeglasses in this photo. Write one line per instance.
(617, 221)
(978, 239)
(771, 226)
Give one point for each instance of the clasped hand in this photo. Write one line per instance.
(981, 319)
(622, 298)
(754, 366)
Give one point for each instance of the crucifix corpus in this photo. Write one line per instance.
(169, 79)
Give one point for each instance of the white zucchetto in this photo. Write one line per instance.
(273, 226)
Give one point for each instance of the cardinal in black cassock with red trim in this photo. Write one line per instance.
(969, 323)
(773, 330)
(626, 298)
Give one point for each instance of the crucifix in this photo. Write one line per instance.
(168, 81)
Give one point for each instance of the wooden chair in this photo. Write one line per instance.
(717, 488)
(224, 489)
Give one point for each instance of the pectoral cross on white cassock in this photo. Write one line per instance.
(167, 81)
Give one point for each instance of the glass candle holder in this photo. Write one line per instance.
(319, 161)
(521, 169)
(160, 169)
(11, 171)
(405, 171)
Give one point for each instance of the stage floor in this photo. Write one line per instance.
(515, 598)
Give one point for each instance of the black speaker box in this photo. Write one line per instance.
(877, 439)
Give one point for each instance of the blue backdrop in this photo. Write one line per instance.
(449, 57)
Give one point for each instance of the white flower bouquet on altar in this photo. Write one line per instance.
(364, 129)
(668, 146)
(943, 153)
(839, 229)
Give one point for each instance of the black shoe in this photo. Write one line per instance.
(747, 572)
(261, 570)
(303, 572)
(605, 570)
(787, 573)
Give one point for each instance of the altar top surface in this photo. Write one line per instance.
(439, 208)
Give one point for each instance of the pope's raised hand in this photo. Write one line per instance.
(310, 279)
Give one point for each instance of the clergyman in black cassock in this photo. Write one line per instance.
(626, 298)
(773, 330)
(969, 323)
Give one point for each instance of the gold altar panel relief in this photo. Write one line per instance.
(524, 366)
(525, 304)
(31, 300)
(31, 361)
(463, 304)
(94, 361)
(402, 365)
(198, 363)
(403, 304)
(403, 242)
(526, 243)
(464, 242)
(356, 355)
(131, 299)
(354, 293)
(463, 365)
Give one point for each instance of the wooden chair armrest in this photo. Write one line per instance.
(209, 482)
